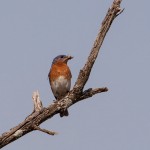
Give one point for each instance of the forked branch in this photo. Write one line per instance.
(40, 113)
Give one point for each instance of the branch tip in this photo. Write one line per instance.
(44, 130)
(120, 11)
(37, 102)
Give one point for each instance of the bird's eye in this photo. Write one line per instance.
(62, 57)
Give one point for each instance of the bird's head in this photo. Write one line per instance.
(61, 59)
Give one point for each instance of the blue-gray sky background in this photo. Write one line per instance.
(33, 32)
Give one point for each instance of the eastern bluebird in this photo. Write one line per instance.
(60, 78)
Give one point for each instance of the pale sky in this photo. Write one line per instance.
(33, 32)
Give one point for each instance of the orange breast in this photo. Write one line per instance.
(59, 69)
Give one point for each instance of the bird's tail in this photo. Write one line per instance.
(64, 113)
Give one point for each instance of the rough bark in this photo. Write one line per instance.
(40, 113)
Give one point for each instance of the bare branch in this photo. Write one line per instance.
(45, 131)
(37, 102)
(90, 92)
(85, 72)
(40, 113)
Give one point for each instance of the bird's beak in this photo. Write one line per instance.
(68, 58)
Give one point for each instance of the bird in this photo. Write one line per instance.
(60, 78)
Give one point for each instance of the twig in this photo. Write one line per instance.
(37, 102)
(45, 131)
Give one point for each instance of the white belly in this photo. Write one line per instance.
(60, 87)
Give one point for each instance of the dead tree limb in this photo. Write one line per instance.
(40, 113)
